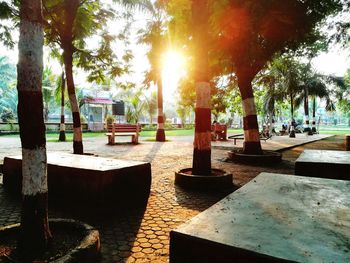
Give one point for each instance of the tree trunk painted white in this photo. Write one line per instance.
(251, 143)
(35, 232)
(201, 164)
(160, 136)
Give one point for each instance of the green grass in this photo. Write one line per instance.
(335, 132)
(53, 137)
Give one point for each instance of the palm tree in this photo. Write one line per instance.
(68, 23)
(62, 87)
(135, 108)
(48, 91)
(35, 232)
(154, 35)
(7, 73)
(151, 105)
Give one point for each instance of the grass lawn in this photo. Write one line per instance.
(336, 132)
(53, 137)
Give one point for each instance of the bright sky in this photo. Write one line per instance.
(336, 61)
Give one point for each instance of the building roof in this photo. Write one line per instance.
(89, 100)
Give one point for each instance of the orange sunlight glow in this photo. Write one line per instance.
(173, 69)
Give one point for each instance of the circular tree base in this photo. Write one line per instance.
(218, 180)
(267, 158)
(73, 241)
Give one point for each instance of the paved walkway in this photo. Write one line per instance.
(143, 235)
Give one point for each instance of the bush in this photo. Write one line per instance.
(7, 115)
(110, 119)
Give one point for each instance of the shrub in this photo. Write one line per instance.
(7, 115)
(110, 119)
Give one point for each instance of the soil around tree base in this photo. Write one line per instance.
(267, 158)
(218, 180)
(73, 241)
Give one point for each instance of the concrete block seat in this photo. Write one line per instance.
(324, 164)
(87, 180)
(273, 218)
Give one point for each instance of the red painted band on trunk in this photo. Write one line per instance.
(203, 120)
(313, 123)
(76, 119)
(160, 119)
(30, 118)
(250, 122)
(62, 118)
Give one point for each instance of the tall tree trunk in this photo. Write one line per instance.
(306, 111)
(292, 105)
(35, 232)
(160, 136)
(77, 132)
(251, 143)
(292, 130)
(71, 9)
(314, 115)
(202, 138)
(62, 136)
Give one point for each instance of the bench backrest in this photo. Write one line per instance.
(117, 127)
(219, 127)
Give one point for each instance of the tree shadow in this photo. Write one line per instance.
(199, 200)
(118, 228)
(149, 157)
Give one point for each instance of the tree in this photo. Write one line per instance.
(68, 24)
(35, 232)
(60, 89)
(48, 91)
(202, 138)
(135, 107)
(7, 73)
(8, 93)
(155, 36)
(249, 33)
(151, 105)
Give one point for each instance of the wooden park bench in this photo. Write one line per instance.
(117, 129)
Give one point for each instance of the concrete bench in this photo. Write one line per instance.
(87, 180)
(324, 164)
(116, 129)
(273, 218)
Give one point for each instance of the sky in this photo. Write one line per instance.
(336, 61)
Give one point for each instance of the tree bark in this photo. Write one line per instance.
(77, 132)
(306, 110)
(251, 144)
(160, 136)
(71, 9)
(202, 139)
(313, 129)
(35, 233)
(62, 136)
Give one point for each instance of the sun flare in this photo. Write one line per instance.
(173, 69)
